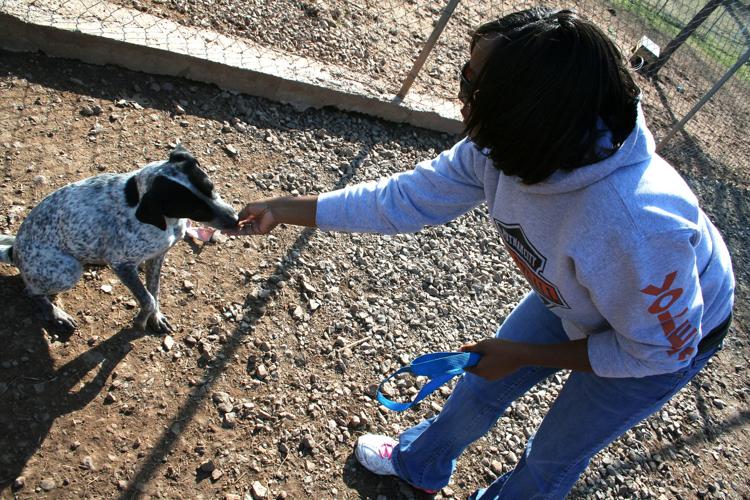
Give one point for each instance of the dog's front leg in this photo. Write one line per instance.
(128, 274)
(157, 321)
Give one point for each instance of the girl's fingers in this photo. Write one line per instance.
(252, 210)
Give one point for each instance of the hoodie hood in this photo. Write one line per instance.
(637, 148)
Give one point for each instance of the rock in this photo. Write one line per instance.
(96, 129)
(230, 420)
(497, 467)
(216, 474)
(308, 443)
(168, 343)
(48, 484)
(264, 346)
(221, 397)
(208, 466)
(187, 285)
(88, 463)
(261, 371)
(231, 150)
(110, 398)
(19, 483)
(218, 237)
(298, 313)
(122, 485)
(107, 288)
(258, 490)
(719, 403)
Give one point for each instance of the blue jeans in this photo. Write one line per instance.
(589, 413)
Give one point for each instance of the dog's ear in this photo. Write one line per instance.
(180, 154)
(150, 210)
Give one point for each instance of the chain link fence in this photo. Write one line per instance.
(372, 45)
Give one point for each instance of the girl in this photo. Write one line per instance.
(632, 285)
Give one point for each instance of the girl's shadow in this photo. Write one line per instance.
(33, 392)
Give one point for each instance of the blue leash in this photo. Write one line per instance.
(440, 367)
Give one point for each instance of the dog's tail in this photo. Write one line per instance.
(6, 248)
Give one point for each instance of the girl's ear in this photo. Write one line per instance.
(150, 210)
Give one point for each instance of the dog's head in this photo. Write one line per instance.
(177, 189)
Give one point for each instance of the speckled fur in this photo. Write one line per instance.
(91, 222)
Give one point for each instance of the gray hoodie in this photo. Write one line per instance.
(619, 249)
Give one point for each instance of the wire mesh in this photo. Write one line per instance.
(370, 46)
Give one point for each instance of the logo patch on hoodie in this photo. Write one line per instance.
(530, 262)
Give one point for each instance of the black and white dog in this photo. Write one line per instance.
(120, 220)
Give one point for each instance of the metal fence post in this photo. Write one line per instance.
(429, 44)
(742, 60)
(652, 69)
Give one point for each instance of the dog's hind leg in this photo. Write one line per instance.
(158, 322)
(47, 272)
(128, 274)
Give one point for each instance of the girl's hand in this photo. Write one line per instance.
(502, 357)
(260, 217)
(256, 218)
(499, 358)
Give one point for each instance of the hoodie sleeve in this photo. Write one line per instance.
(433, 193)
(651, 297)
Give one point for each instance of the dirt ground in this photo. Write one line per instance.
(269, 380)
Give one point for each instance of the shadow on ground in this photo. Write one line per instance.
(34, 390)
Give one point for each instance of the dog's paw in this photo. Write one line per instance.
(140, 321)
(159, 323)
(62, 324)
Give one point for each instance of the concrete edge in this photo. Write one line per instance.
(21, 36)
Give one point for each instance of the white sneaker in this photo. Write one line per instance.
(374, 451)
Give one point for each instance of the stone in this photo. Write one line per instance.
(230, 420)
(88, 463)
(258, 490)
(208, 466)
(48, 484)
(168, 343)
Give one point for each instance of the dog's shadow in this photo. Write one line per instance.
(33, 390)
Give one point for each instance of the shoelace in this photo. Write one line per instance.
(440, 367)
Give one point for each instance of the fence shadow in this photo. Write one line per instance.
(703, 438)
(255, 309)
(33, 391)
